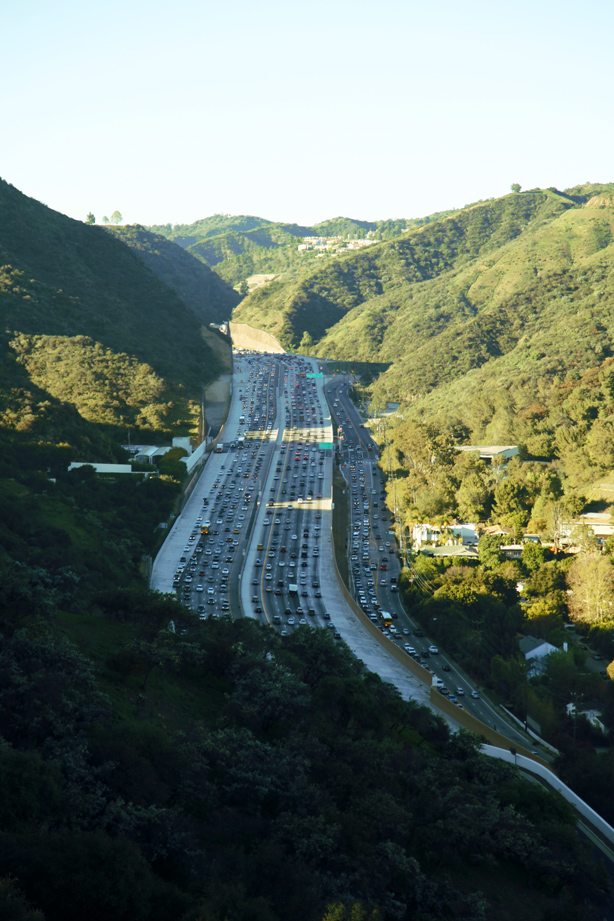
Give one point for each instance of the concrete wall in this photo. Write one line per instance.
(245, 336)
(542, 771)
(195, 457)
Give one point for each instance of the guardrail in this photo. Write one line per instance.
(545, 773)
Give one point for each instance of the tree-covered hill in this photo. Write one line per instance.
(519, 285)
(241, 246)
(88, 326)
(209, 297)
(187, 234)
(393, 272)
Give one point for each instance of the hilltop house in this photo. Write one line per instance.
(536, 650)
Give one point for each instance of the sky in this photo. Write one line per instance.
(301, 111)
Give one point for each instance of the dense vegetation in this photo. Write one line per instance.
(479, 609)
(219, 773)
(90, 334)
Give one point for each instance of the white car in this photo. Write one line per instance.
(433, 650)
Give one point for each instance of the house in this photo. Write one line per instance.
(497, 455)
(452, 534)
(512, 551)
(537, 650)
(458, 551)
(147, 453)
(598, 523)
(102, 468)
(591, 711)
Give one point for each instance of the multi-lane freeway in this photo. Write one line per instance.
(254, 545)
(249, 540)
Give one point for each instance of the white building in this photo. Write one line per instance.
(592, 714)
(450, 534)
(102, 468)
(497, 455)
(536, 650)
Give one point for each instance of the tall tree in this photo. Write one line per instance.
(116, 217)
(90, 219)
(591, 581)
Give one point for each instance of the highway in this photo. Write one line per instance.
(265, 502)
(375, 565)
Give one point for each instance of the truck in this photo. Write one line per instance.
(219, 448)
(241, 441)
(293, 589)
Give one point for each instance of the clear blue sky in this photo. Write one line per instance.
(170, 112)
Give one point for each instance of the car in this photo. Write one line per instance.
(433, 650)
(475, 695)
(460, 692)
(446, 668)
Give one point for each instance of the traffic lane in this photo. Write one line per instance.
(305, 576)
(391, 601)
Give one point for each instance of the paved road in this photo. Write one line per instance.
(374, 563)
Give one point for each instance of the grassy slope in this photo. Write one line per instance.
(542, 303)
(390, 272)
(498, 294)
(79, 306)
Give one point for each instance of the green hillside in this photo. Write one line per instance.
(241, 246)
(89, 332)
(520, 283)
(186, 234)
(393, 273)
(237, 255)
(203, 291)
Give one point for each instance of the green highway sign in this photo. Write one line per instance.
(315, 376)
(326, 446)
